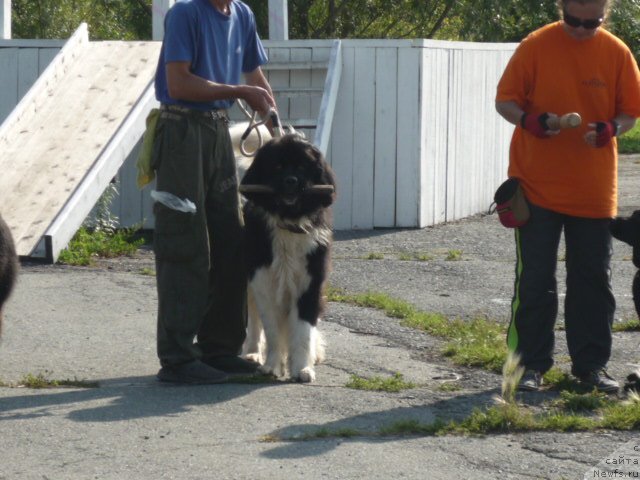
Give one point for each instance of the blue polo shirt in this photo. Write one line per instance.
(219, 47)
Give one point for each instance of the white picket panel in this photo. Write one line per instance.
(386, 118)
(300, 107)
(342, 142)
(434, 118)
(363, 139)
(408, 156)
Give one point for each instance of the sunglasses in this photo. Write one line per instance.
(575, 22)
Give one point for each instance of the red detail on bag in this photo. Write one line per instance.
(511, 205)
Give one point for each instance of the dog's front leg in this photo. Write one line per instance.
(275, 335)
(302, 348)
(254, 345)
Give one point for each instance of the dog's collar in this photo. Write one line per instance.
(291, 227)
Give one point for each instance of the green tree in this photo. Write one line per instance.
(500, 21)
(359, 18)
(625, 23)
(106, 19)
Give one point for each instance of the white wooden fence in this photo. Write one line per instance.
(415, 138)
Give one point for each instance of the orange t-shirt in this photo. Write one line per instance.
(550, 71)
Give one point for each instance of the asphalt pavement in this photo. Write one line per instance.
(95, 326)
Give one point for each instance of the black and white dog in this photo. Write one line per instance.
(627, 229)
(289, 188)
(8, 265)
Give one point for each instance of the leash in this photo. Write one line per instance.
(254, 124)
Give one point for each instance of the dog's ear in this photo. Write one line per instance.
(255, 173)
(324, 175)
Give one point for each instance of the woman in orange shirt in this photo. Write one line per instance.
(570, 180)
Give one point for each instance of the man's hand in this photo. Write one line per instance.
(601, 133)
(258, 98)
(537, 124)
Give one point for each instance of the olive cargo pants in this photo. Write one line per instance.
(200, 266)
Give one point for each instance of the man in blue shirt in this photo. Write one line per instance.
(200, 266)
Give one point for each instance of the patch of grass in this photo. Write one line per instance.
(632, 325)
(393, 384)
(148, 272)
(413, 427)
(512, 372)
(566, 422)
(415, 257)
(478, 342)
(454, 255)
(622, 415)
(603, 414)
(326, 433)
(40, 381)
(495, 419)
(87, 244)
(582, 402)
(374, 256)
(629, 142)
(449, 387)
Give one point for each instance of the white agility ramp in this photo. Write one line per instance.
(66, 139)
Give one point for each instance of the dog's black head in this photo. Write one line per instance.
(627, 229)
(290, 166)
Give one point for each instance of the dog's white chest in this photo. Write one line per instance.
(288, 271)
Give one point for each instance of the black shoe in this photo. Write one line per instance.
(192, 373)
(232, 364)
(600, 380)
(531, 381)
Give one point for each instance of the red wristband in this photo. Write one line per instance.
(605, 131)
(535, 124)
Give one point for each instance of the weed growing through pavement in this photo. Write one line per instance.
(393, 384)
(449, 387)
(632, 325)
(40, 381)
(374, 256)
(87, 244)
(415, 257)
(480, 343)
(454, 255)
(512, 372)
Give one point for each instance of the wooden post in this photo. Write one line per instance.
(5, 19)
(278, 20)
(159, 10)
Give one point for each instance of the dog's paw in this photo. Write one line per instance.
(276, 370)
(253, 357)
(306, 375)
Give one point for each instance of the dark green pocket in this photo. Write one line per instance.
(175, 238)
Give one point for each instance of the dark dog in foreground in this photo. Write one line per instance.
(8, 265)
(289, 188)
(627, 229)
